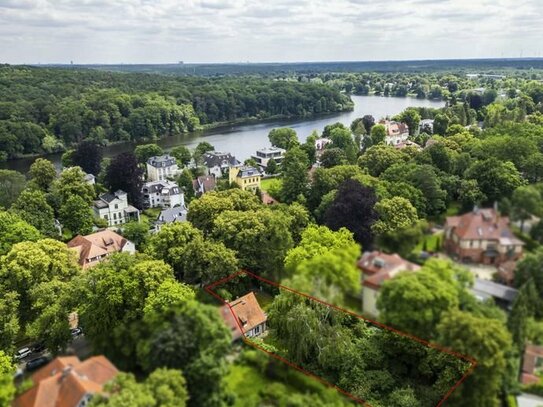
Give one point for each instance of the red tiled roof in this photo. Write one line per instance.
(248, 312)
(379, 267)
(68, 386)
(96, 244)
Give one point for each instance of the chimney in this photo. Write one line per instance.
(65, 372)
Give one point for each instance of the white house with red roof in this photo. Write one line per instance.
(245, 317)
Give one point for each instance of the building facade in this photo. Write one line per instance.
(482, 236)
(396, 132)
(218, 163)
(264, 155)
(248, 178)
(162, 194)
(114, 208)
(161, 168)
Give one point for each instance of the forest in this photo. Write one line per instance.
(48, 110)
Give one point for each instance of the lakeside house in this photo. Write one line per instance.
(264, 155)
(532, 365)
(162, 194)
(248, 178)
(396, 132)
(114, 208)
(170, 215)
(218, 163)
(203, 184)
(244, 316)
(162, 167)
(377, 267)
(66, 381)
(482, 236)
(92, 249)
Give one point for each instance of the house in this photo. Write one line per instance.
(244, 316)
(396, 132)
(377, 267)
(532, 365)
(248, 178)
(170, 215)
(162, 194)
(67, 382)
(408, 143)
(92, 249)
(115, 208)
(264, 155)
(502, 295)
(162, 167)
(321, 143)
(217, 163)
(203, 184)
(481, 236)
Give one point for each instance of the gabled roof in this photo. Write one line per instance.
(483, 224)
(177, 214)
(246, 172)
(247, 311)
(67, 386)
(218, 158)
(168, 188)
(207, 182)
(379, 267)
(488, 289)
(165, 160)
(97, 244)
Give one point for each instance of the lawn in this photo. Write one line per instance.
(431, 241)
(272, 183)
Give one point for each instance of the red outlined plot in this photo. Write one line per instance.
(211, 290)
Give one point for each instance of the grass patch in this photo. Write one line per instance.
(264, 299)
(428, 243)
(453, 209)
(271, 183)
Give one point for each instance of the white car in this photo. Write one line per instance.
(23, 353)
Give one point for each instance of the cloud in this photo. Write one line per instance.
(105, 31)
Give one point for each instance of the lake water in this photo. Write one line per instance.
(244, 140)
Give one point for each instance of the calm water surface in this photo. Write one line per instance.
(244, 140)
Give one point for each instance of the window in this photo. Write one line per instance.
(106, 217)
(114, 216)
(116, 206)
(257, 329)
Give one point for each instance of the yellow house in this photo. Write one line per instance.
(248, 178)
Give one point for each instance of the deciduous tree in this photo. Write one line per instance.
(125, 174)
(33, 208)
(76, 215)
(12, 184)
(295, 179)
(283, 137)
(88, 155)
(145, 151)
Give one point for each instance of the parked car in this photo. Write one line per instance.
(38, 347)
(36, 363)
(76, 332)
(23, 353)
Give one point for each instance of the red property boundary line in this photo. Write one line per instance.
(209, 288)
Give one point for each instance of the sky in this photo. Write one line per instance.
(168, 31)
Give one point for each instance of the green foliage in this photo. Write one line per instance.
(124, 173)
(182, 155)
(271, 168)
(15, 230)
(145, 151)
(283, 138)
(136, 232)
(42, 172)
(411, 117)
(378, 158)
(163, 387)
(72, 182)
(185, 182)
(32, 207)
(7, 387)
(88, 155)
(12, 184)
(332, 157)
(193, 258)
(76, 215)
(343, 139)
(295, 179)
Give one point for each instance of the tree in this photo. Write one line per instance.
(284, 137)
(145, 151)
(295, 178)
(7, 387)
(194, 339)
(353, 209)
(415, 302)
(378, 158)
(395, 214)
(72, 182)
(343, 139)
(33, 208)
(125, 174)
(485, 340)
(411, 117)
(496, 179)
(204, 211)
(112, 301)
(357, 127)
(194, 260)
(271, 168)
(526, 201)
(327, 132)
(332, 157)
(88, 155)
(182, 155)
(163, 387)
(261, 238)
(15, 230)
(469, 194)
(368, 121)
(9, 322)
(42, 172)
(136, 232)
(76, 215)
(11, 185)
(378, 135)
(185, 182)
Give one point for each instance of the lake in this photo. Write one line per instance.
(244, 140)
